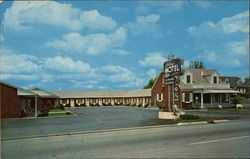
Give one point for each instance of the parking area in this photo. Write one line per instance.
(87, 119)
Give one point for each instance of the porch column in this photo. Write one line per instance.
(211, 100)
(202, 99)
(220, 99)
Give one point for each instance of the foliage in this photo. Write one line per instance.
(247, 81)
(189, 117)
(197, 64)
(150, 83)
(236, 100)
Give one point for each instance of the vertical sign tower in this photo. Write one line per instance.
(172, 71)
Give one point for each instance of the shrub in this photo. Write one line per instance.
(68, 113)
(236, 100)
(189, 117)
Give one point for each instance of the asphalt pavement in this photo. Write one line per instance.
(87, 119)
(223, 140)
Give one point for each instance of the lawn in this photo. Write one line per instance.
(59, 112)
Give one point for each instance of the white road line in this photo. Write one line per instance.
(210, 141)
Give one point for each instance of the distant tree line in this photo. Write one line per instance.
(150, 83)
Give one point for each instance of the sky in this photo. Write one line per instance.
(117, 45)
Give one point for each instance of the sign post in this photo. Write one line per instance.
(172, 70)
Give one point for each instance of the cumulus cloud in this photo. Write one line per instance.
(15, 63)
(146, 25)
(65, 64)
(225, 42)
(238, 22)
(120, 52)
(24, 13)
(164, 7)
(240, 48)
(153, 59)
(89, 44)
(151, 73)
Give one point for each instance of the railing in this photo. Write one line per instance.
(211, 86)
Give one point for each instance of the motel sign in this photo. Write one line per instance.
(172, 68)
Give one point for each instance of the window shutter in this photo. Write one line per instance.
(191, 97)
(183, 96)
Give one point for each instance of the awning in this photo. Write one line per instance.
(217, 91)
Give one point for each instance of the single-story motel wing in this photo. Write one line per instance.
(201, 88)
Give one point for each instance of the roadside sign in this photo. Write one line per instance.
(172, 68)
(169, 80)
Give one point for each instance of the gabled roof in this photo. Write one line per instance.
(44, 93)
(234, 81)
(201, 75)
(20, 91)
(103, 94)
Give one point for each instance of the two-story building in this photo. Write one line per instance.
(203, 88)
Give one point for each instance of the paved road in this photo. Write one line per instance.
(223, 140)
(89, 119)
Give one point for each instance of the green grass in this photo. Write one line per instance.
(59, 113)
(57, 110)
(229, 110)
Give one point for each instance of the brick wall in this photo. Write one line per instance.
(160, 88)
(9, 102)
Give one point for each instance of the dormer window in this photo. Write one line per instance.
(215, 79)
(188, 79)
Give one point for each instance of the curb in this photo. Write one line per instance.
(204, 122)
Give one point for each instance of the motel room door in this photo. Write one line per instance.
(72, 102)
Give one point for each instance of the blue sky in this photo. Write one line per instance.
(118, 45)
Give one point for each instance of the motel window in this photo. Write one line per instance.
(207, 98)
(215, 79)
(188, 79)
(159, 97)
(187, 97)
(64, 101)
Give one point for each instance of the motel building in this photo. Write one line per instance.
(197, 88)
(138, 98)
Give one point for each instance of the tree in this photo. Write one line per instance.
(247, 81)
(197, 64)
(150, 83)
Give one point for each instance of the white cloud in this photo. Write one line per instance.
(89, 44)
(238, 22)
(238, 47)
(203, 4)
(210, 56)
(24, 13)
(153, 59)
(15, 63)
(218, 41)
(118, 9)
(65, 64)
(30, 77)
(146, 25)
(151, 73)
(160, 7)
(118, 73)
(153, 18)
(120, 52)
